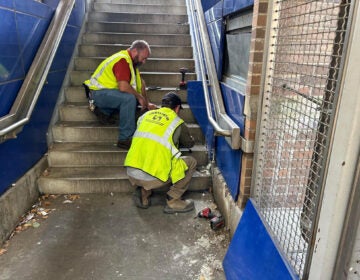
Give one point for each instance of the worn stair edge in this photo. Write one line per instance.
(103, 154)
(152, 64)
(130, 27)
(138, 17)
(77, 94)
(96, 132)
(81, 112)
(131, 8)
(100, 180)
(157, 51)
(139, 2)
(125, 38)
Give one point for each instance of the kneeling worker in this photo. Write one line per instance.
(154, 160)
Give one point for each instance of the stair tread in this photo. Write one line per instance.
(154, 59)
(140, 23)
(96, 124)
(85, 104)
(138, 34)
(84, 147)
(142, 72)
(97, 173)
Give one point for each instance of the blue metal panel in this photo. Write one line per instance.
(33, 8)
(216, 36)
(228, 160)
(207, 4)
(10, 66)
(18, 155)
(51, 3)
(8, 93)
(78, 13)
(7, 3)
(231, 6)
(31, 31)
(66, 48)
(196, 101)
(253, 254)
(229, 163)
(216, 31)
(214, 13)
(234, 105)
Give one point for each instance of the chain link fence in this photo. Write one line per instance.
(306, 45)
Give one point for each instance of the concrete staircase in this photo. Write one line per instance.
(84, 157)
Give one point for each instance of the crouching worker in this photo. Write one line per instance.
(154, 160)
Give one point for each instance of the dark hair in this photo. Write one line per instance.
(171, 100)
(140, 45)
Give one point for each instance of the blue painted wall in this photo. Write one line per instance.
(22, 28)
(228, 160)
(216, 30)
(253, 254)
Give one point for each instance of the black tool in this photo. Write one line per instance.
(182, 84)
(217, 222)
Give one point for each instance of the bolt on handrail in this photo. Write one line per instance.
(223, 125)
(21, 110)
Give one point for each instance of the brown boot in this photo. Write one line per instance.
(178, 206)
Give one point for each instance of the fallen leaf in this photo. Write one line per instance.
(47, 203)
(2, 251)
(74, 197)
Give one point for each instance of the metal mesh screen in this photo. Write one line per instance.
(306, 46)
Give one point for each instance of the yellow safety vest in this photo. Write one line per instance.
(104, 78)
(153, 150)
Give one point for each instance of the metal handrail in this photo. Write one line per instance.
(223, 125)
(21, 110)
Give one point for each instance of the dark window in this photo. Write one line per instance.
(237, 47)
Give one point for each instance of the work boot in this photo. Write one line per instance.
(124, 144)
(141, 198)
(178, 206)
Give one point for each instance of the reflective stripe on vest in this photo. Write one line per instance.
(93, 82)
(163, 140)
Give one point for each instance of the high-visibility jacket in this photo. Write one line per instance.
(104, 78)
(153, 150)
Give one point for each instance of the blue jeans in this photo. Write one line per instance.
(111, 100)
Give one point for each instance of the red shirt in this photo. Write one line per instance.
(121, 70)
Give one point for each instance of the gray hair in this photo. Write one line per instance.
(140, 45)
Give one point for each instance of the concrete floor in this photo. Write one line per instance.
(104, 236)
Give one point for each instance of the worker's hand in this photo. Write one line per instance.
(142, 102)
(152, 106)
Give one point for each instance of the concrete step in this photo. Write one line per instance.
(95, 132)
(151, 65)
(125, 38)
(146, 28)
(81, 112)
(77, 94)
(137, 18)
(161, 8)
(161, 79)
(71, 180)
(165, 51)
(75, 154)
(145, 2)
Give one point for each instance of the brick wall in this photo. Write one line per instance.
(253, 92)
